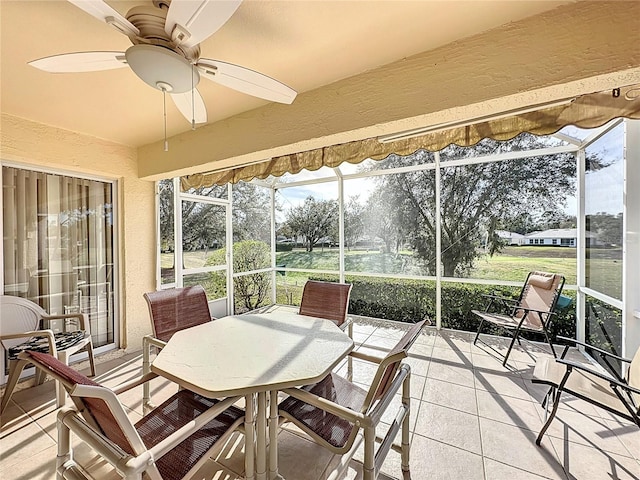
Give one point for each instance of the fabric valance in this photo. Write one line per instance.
(587, 111)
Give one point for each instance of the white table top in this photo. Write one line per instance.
(238, 355)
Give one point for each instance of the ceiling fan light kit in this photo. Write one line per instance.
(165, 54)
(155, 65)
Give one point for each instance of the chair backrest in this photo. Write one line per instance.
(98, 405)
(326, 300)
(18, 315)
(390, 364)
(176, 309)
(540, 292)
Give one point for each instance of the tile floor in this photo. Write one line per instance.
(471, 419)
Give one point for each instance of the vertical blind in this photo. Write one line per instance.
(58, 245)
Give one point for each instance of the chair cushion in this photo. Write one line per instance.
(173, 414)
(542, 280)
(332, 429)
(64, 340)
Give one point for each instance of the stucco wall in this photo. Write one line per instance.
(580, 48)
(27, 143)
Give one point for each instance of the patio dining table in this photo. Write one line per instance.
(254, 355)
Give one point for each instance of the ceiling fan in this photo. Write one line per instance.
(165, 53)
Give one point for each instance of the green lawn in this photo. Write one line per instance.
(511, 264)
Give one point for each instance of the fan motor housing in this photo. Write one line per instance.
(150, 21)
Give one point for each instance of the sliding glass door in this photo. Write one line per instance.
(58, 245)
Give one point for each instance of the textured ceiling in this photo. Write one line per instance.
(304, 44)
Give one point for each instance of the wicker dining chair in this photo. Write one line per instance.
(171, 310)
(333, 411)
(26, 326)
(171, 442)
(533, 311)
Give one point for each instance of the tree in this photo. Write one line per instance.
(354, 221)
(381, 221)
(608, 227)
(204, 224)
(313, 220)
(251, 217)
(250, 291)
(474, 198)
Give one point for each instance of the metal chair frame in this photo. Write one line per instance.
(390, 376)
(622, 388)
(511, 322)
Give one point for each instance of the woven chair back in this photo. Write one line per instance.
(94, 410)
(176, 309)
(326, 300)
(389, 366)
(540, 292)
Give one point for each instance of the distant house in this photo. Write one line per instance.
(511, 238)
(561, 237)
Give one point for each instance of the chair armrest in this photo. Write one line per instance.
(498, 297)
(529, 310)
(599, 350)
(326, 405)
(80, 317)
(126, 386)
(595, 373)
(48, 334)
(365, 357)
(151, 340)
(346, 323)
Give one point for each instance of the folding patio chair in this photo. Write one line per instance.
(171, 442)
(532, 311)
(171, 310)
(26, 326)
(334, 411)
(608, 390)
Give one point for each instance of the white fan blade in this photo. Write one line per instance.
(106, 14)
(195, 20)
(246, 80)
(192, 107)
(81, 62)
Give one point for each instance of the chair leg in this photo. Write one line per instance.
(92, 362)
(406, 399)
(513, 341)
(556, 404)
(349, 358)
(40, 376)
(479, 329)
(553, 350)
(369, 464)
(15, 369)
(61, 394)
(146, 368)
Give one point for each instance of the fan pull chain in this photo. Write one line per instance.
(164, 108)
(193, 103)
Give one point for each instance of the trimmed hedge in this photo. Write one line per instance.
(411, 300)
(284, 247)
